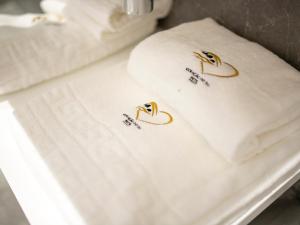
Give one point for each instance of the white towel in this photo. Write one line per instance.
(53, 15)
(72, 137)
(105, 16)
(238, 95)
(30, 20)
(30, 56)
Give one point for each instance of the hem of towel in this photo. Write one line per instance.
(268, 135)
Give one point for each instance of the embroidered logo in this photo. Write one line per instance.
(211, 64)
(149, 113)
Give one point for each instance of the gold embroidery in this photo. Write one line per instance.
(210, 61)
(151, 109)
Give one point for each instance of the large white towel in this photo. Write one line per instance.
(238, 95)
(105, 16)
(94, 168)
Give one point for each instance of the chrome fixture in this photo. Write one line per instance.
(138, 7)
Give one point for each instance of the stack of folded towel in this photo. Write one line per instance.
(88, 32)
(96, 17)
(101, 18)
(238, 95)
(104, 150)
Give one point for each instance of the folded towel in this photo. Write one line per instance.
(43, 52)
(72, 137)
(99, 17)
(30, 56)
(238, 95)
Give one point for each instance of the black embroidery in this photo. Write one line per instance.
(130, 121)
(193, 80)
(196, 77)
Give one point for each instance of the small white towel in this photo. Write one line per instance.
(238, 95)
(30, 56)
(105, 16)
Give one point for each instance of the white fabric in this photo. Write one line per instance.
(53, 15)
(114, 174)
(30, 20)
(43, 52)
(105, 16)
(244, 104)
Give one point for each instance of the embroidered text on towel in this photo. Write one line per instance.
(211, 64)
(129, 121)
(196, 77)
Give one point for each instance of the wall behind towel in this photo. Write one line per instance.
(20, 6)
(275, 24)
